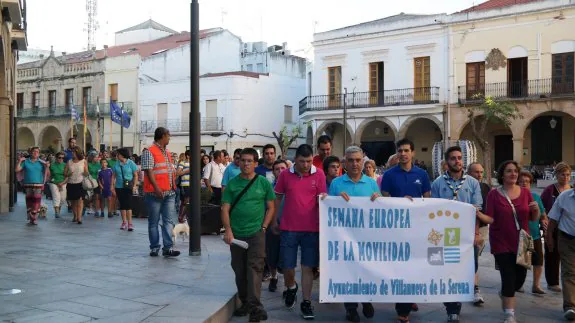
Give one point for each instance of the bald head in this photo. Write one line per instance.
(475, 170)
(392, 160)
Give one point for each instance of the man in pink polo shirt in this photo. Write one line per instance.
(300, 185)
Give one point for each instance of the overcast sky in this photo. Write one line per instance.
(61, 23)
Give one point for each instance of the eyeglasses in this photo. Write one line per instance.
(59, 157)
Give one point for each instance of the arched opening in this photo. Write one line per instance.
(309, 136)
(378, 141)
(79, 135)
(424, 133)
(50, 139)
(548, 139)
(500, 140)
(25, 139)
(335, 131)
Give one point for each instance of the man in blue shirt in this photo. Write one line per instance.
(405, 180)
(68, 152)
(232, 170)
(266, 169)
(355, 183)
(455, 185)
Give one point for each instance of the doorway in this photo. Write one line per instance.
(517, 77)
(379, 151)
(546, 142)
(503, 149)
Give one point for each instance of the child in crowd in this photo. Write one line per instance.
(105, 182)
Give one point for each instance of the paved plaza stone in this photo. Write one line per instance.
(530, 308)
(94, 271)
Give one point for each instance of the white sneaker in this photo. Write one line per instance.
(509, 318)
(478, 299)
(453, 318)
(569, 315)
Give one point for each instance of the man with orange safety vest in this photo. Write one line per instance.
(160, 193)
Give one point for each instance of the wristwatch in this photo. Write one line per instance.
(264, 229)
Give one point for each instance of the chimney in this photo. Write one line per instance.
(63, 53)
(284, 46)
(105, 50)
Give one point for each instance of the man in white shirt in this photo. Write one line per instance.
(562, 218)
(213, 174)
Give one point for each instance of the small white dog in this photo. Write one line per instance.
(43, 210)
(182, 230)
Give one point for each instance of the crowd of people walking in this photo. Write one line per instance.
(273, 205)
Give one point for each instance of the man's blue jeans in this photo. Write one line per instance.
(166, 209)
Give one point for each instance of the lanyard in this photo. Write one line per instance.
(450, 183)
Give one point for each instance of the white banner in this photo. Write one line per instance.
(396, 250)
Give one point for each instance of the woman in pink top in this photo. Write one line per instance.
(503, 233)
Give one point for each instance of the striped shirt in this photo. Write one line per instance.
(148, 163)
(185, 165)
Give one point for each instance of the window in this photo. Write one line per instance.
(20, 101)
(113, 92)
(185, 113)
(422, 78)
(35, 100)
(52, 99)
(563, 73)
(69, 98)
(86, 95)
(475, 79)
(162, 114)
(211, 108)
(334, 86)
(375, 83)
(288, 113)
(250, 67)
(260, 67)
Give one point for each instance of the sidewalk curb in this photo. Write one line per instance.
(225, 313)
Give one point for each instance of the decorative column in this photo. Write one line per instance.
(518, 150)
(5, 154)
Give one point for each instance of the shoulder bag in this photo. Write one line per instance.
(239, 197)
(525, 246)
(126, 183)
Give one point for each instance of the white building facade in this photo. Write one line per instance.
(238, 108)
(391, 77)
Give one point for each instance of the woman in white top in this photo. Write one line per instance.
(75, 171)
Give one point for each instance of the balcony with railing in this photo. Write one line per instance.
(372, 99)
(65, 112)
(542, 89)
(179, 126)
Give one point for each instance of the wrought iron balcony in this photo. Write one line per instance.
(179, 126)
(358, 100)
(527, 90)
(65, 112)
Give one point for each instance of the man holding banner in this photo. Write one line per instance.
(405, 180)
(355, 183)
(455, 185)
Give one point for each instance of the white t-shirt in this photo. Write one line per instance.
(214, 173)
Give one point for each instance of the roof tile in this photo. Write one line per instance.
(496, 4)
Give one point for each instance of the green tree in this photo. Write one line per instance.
(285, 138)
(493, 111)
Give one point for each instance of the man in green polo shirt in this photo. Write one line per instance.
(247, 210)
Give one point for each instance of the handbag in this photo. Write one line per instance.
(126, 183)
(525, 246)
(89, 183)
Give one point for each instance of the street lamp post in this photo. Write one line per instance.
(194, 207)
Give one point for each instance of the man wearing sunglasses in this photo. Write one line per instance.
(232, 170)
